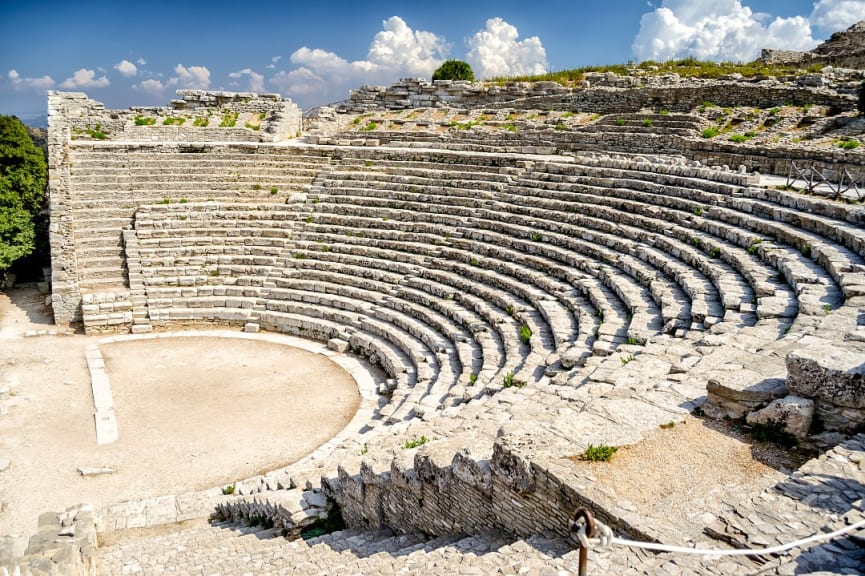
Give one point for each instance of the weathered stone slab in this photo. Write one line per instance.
(732, 394)
(795, 413)
(832, 373)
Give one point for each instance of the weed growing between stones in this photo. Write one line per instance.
(599, 453)
(625, 360)
(755, 243)
(144, 121)
(525, 334)
(511, 382)
(229, 489)
(668, 425)
(409, 444)
(710, 132)
(473, 378)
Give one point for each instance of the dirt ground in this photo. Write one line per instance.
(192, 413)
(687, 468)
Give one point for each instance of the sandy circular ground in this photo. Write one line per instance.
(192, 413)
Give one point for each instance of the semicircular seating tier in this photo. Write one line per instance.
(463, 273)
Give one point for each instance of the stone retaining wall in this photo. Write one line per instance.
(607, 96)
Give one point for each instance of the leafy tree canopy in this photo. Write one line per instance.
(454, 70)
(23, 176)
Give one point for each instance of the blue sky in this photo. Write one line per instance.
(137, 53)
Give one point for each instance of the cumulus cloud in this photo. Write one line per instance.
(126, 68)
(834, 15)
(141, 61)
(85, 78)
(273, 62)
(395, 51)
(256, 81)
(495, 51)
(150, 85)
(194, 77)
(19, 83)
(729, 30)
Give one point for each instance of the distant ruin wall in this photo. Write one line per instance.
(603, 95)
(273, 118)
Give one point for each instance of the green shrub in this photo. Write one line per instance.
(648, 122)
(229, 489)
(144, 121)
(256, 186)
(698, 211)
(174, 121)
(454, 70)
(537, 237)
(715, 252)
(664, 112)
(370, 126)
(620, 122)
(274, 190)
(806, 250)
(561, 127)
(709, 132)
(738, 138)
(752, 249)
(201, 122)
(599, 453)
(473, 378)
(848, 144)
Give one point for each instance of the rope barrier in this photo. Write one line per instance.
(605, 538)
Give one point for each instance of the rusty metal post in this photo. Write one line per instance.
(589, 521)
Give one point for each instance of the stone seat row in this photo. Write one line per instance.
(758, 228)
(667, 292)
(183, 275)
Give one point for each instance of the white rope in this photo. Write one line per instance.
(606, 538)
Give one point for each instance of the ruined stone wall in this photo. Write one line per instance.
(275, 119)
(458, 486)
(604, 94)
(64, 110)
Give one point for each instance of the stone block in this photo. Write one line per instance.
(795, 413)
(252, 327)
(832, 373)
(734, 393)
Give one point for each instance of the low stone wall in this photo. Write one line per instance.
(62, 546)
(457, 486)
(608, 95)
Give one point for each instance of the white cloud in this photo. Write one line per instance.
(728, 30)
(85, 78)
(194, 77)
(715, 30)
(495, 51)
(395, 51)
(19, 83)
(126, 68)
(835, 15)
(150, 85)
(141, 61)
(256, 81)
(273, 62)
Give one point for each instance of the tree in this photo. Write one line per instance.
(23, 176)
(454, 70)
